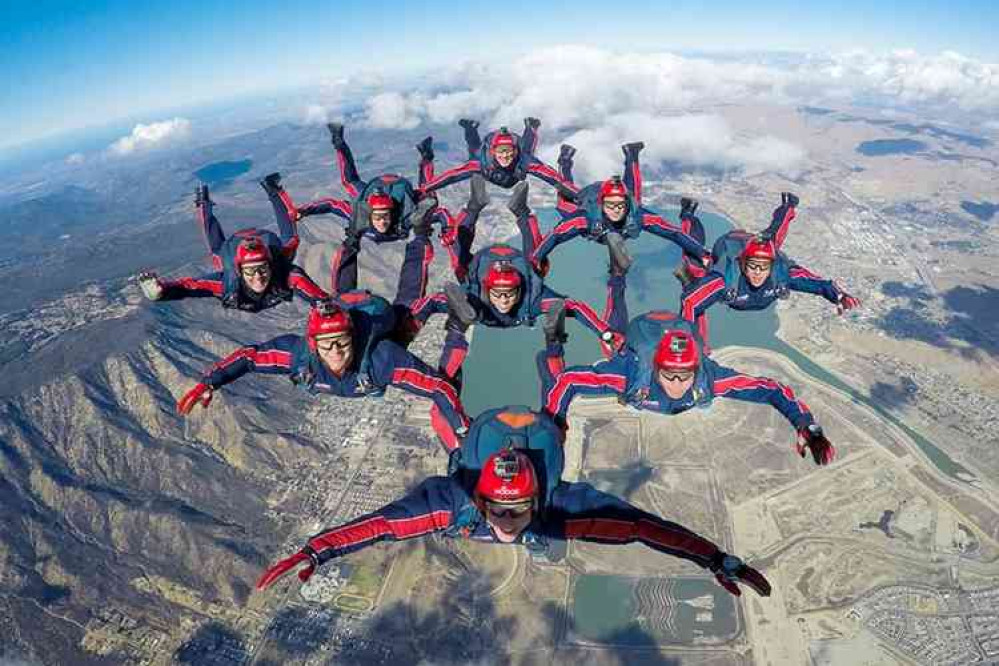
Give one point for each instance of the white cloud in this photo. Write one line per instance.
(602, 98)
(154, 135)
(316, 114)
(75, 158)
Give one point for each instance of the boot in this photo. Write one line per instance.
(478, 198)
(620, 260)
(336, 134)
(554, 323)
(459, 308)
(518, 200)
(423, 215)
(271, 183)
(632, 149)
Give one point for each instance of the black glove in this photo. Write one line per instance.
(336, 134)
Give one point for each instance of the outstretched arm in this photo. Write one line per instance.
(304, 287)
(659, 226)
(603, 378)
(450, 177)
(564, 231)
(542, 171)
(579, 310)
(329, 206)
(804, 280)
(729, 383)
(429, 508)
(210, 285)
(700, 295)
(582, 512)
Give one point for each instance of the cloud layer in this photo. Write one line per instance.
(601, 98)
(154, 135)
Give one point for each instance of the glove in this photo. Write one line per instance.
(336, 134)
(151, 286)
(688, 206)
(788, 199)
(613, 339)
(469, 124)
(812, 438)
(200, 393)
(287, 564)
(541, 267)
(846, 301)
(426, 149)
(532, 123)
(729, 570)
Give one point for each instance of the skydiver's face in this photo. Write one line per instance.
(504, 299)
(615, 208)
(505, 155)
(256, 276)
(508, 520)
(336, 352)
(757, 271)
(381, 220)
(675, 383)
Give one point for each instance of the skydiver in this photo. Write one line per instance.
(253, 267)
(384, 209)
(662, 368)
(504, 505)
(502, 291)
(347, 351)
(503, 158)
(750, 272)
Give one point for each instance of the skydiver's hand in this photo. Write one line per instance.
(200, 393)
(426, 149)
(532, 123)
(151, 286)
(336, 134)
(281, 568)
(814, 440)
(613, 339)
(688, 206)
(729, 570)
(541, 267)
(846, 301)
(788, 199)
(707, 260)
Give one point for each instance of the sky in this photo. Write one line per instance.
(71, 65)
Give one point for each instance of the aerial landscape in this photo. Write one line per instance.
(132, 534)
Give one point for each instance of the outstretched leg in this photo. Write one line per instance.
(352, 182)
(204, 211)
(343, 267)
(284, 212)
(551, 363)
(565, 164)
(472, 139)
(633, 170)
(527, 221)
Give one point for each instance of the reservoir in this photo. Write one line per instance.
(220, 174)
(643, 612)
(500, 368)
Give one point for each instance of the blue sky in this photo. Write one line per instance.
(70, 65)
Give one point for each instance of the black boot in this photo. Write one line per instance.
(518, 200)
(688, 206)
(566, 153)
(422, 216)
(478, 197)
(426, 149)
(460, 311)
(201, 196)
(632, 149)
(620, 260)
(554, 323)
(336, 134)
(271, 183)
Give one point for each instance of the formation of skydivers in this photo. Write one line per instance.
(504, 482)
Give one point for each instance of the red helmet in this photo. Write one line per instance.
(759, 249)
(507, 477)
(613, 187)
(326, 318)
(501, 274)
(380, 200)
(677, 351)
(251, 250)
(501, 137)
